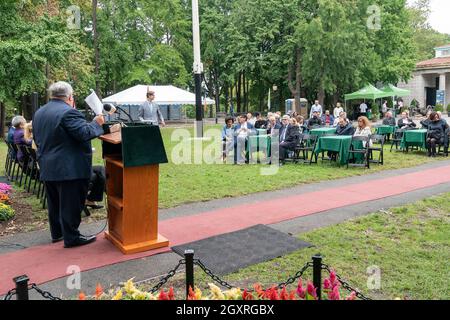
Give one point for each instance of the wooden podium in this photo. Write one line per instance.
(132, 175)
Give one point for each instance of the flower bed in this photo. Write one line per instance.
(6, 212)
(331, 291)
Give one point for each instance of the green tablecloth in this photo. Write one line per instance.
(339, 144)
(322, 131)
(259, 143)
(385, 129)
(414, 138)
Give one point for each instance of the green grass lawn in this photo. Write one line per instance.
(181, 184)
(410, 245)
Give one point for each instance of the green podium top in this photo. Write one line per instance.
(137, 145)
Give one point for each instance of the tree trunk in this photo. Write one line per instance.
(296, 90)
(227, 93)
(321, 96)
(96, 47)
(245, 92)
(238, 93)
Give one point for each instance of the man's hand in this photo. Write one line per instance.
(163, 124)
(100, 120)
(115, 128)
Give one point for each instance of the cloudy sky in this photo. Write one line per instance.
(440, 15)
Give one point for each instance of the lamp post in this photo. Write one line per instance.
(198, 70)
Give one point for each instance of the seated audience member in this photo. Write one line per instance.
(12, 128)
(327, 118)
(301, 124)
(227, 137)
(405, 122)
(426, 121)
(272, 125)
(436, 133)
(278, 117)
(96, 189)
(344, 128)
(337, 111)
(315, 121)
(388, 119)
(251, 119)
(241, 132)
(289, 136)
(260, 122)
(342, 114)
(19, 135)
(363, 129)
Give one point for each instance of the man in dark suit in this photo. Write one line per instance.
(63, 138)
(406, 123)
(289, 136)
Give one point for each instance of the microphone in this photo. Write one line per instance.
(111, 109)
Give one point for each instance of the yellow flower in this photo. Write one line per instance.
(216, 293)
(129, 287)
(198, 294)
(233, 294)
(118, 295)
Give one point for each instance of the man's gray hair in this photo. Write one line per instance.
(17, 120)
(60, 90)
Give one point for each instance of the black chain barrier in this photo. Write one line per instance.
(345, 285)
(208, 272)
(45, 294)
(166, 278)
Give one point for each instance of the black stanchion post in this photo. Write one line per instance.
(317, 274)
(22, 287)
(189, 257)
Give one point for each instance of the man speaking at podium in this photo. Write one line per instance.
(63, 138)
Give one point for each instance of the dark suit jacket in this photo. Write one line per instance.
(348, 130)
(292, 134)
(63, 138)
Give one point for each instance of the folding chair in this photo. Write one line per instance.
(308, 144)
(380, 139)
(396, 139)
(352, 152)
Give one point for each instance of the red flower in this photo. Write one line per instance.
(163, 295)
(273, 294)
(247, 295)
(98, 290)
(191, 295)
(333, 279)
(284, 295)
(259, 290)
(292, 295)
(171, 294)
(81, 296)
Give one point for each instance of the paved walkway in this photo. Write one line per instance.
(101, 262)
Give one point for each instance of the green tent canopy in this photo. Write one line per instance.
(369, 92)
(393, 91)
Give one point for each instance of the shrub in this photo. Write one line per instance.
(439, 107)
(6, 212)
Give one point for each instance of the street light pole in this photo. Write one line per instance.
(198, 70)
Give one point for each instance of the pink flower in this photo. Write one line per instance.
(301, 292)
(334, 294)
(352, 296)
(333, 279)
(327, 284)
(311, 290)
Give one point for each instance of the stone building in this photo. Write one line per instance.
(431, 80)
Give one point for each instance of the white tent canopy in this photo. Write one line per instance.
(164, 95)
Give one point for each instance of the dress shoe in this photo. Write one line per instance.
(57, 240)
(81, 241)
(95, 206)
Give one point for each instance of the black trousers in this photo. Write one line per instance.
(284, 148)
(97, 184)
(66, 201)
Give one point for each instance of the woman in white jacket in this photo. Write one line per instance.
(364, 129)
